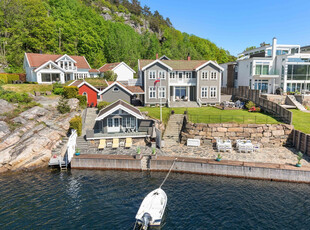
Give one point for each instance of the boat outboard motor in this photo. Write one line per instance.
(146, 218)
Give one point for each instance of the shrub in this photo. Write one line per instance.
(70, 91)
(82, 100)
(8, 78)
(57, 85)
(250, 105)
(110, 76)
(58, 91)
(102, 104)
(63, 106)
(14, 97)
(76, 123)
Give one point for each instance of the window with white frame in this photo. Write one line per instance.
(162, 92)
(116, 89)
(213, 75)
(110, 122)
(204, 75)
(204, 92)
(188, 74)
(152, 74)
(172, 75)
(152, 92)
(213, 91)
(162, 74)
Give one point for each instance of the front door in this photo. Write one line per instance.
(180, 92)
(114, 125)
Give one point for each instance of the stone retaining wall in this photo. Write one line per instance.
(266, 135)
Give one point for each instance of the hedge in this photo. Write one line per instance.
(71, 91)
(76, 123)
(6, 78)
(102, 104)
(83, 100)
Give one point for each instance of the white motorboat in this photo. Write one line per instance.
(152, 209)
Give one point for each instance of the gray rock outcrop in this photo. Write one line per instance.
(5, 106)
(30, 145)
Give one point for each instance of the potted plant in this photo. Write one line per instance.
(153, 151)
(172, 112)
(77, 151)
(299, 158)
(138, 152)
(219, 157)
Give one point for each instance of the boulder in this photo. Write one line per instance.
(6, 106)
(33, 113)
(4, 129)
(73, 103)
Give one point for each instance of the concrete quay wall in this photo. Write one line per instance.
(262, 171)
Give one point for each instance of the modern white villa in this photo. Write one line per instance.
(270, 67)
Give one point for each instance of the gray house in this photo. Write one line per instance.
(120, 120)
(187, 81)
(116, 90)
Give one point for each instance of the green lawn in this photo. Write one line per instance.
(28, 88)
(92, 81)
(214, 115)
(301, 120)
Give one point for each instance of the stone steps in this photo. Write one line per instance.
(296, 103)
(172, 133)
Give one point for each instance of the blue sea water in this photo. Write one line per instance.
(80, 199)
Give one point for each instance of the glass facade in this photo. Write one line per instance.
(261, 85)
(50, 77)
(262, 69)
(293, 87)
(298, 72)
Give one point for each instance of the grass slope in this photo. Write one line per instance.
(301, 120)
(214, 115)
(28, 88)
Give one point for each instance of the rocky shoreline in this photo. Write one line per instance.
(40, 130)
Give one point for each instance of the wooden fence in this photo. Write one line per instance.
(301, 142)
(244, 93)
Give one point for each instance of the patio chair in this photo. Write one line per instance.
(128, 142)
(115, 143)
(242, 148)
(37, 93)
(185, 98)
(122, 143)
(249, 148)
(177, 98)
(221, 147)
(102, 144)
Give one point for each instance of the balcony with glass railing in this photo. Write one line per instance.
(182, 81)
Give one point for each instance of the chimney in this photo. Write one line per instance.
(274, 47)
(188, 57)
(156, 56)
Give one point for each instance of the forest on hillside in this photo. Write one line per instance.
(76, 27)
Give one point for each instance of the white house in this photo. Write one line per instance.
(122, 70)
(49, 68)
(270, 67)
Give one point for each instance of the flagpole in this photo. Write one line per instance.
(161, 112)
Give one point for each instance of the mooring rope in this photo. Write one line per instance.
(168, 173)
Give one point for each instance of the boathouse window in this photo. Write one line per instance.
(110, 122)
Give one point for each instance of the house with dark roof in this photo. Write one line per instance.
(132, 94)
(180, 82)
(121, 69)
(120, 120)
(49, 68)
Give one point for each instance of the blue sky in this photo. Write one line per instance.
(235, 25)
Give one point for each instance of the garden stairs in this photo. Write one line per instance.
(173, 129)
(292, 101)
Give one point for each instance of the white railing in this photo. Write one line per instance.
(71, 145)
(183, 80)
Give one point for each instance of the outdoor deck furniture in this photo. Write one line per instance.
(185, 98)
(109, 144)
(48, 93)
(256, 147)
(37, 93)
(128, 142)
(115, 143)
(102, 144)
(122, 143)
(177, 98)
